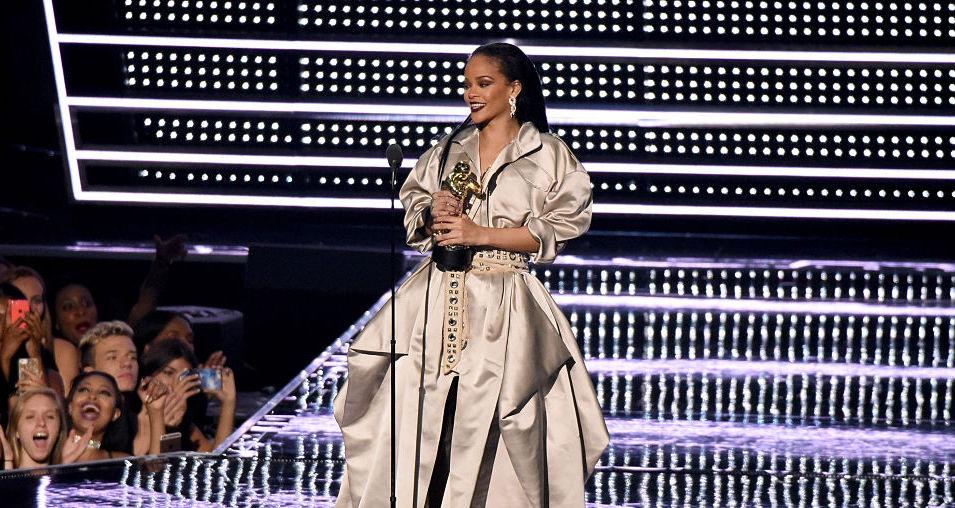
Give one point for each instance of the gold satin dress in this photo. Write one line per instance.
(527, 430)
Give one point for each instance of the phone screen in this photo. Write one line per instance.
(210, 379)
(16, 310)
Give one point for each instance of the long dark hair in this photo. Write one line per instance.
(515, 66)
(160, 353)
(151, 325)
(112, 440)
(163, 351)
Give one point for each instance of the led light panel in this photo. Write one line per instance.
(268, 99)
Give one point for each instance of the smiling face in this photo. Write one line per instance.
(37, 430)
(116, 356)
(486, 90)
(75, 312)
(94, 404)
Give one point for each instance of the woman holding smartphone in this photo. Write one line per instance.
(494, 404)
(172, 361)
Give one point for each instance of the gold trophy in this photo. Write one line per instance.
(465, 187)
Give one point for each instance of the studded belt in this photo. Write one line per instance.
(498, 260)
(455, 334)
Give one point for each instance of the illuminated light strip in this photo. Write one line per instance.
(66, 123)
(466, 49)
(842, 442)
(791, 441)
(793, 171)
(223, 199)
(221, 158)
(772, 212)
(645, 118)
(741, 264)
(373, 203)
(593, 167)
(762, 368)
(751, 305)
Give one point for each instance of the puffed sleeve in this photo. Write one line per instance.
(566, 212)
(415, 195)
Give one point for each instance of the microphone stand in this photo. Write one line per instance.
(394, 157)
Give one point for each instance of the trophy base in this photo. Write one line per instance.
(452, 259)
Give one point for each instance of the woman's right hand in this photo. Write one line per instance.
(152, 392)
(443, 203)
(12, 336)
(30, 380)
(75, 445)
(175, 407)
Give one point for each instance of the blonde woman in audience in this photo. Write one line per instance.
(37, 435)
(95, 404)
(20, 338)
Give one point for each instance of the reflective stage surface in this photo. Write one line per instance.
(725, 383)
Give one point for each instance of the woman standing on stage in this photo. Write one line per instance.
(508, 416)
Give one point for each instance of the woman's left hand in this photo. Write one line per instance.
(6, 452)
(227, 394)
(459, 230)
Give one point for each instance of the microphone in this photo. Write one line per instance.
(394, 155)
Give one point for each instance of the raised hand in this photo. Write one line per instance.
(175, 408)
(31, 379)
(171, 249)
(227, 393)
(216, 360)
(75, 445)
(7, 451)
(153, 394)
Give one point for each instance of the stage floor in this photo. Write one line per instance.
(744, 382)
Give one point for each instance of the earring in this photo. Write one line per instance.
(513, 102)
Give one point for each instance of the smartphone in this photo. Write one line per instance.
(210, 380)
(28, 364)
(16, 309)
(171, 442)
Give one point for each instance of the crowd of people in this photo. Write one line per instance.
(75, 389)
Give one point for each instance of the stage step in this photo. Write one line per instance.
(923, 337)
(775, 393)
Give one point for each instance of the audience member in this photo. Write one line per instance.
(37, 434)
(95, 404)
(63, 353)
(75, 309)
(21, 339)
(108, 347)
(75, 312)
(163, 324)
(174, 362)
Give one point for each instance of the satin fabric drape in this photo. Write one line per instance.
(528, 429)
